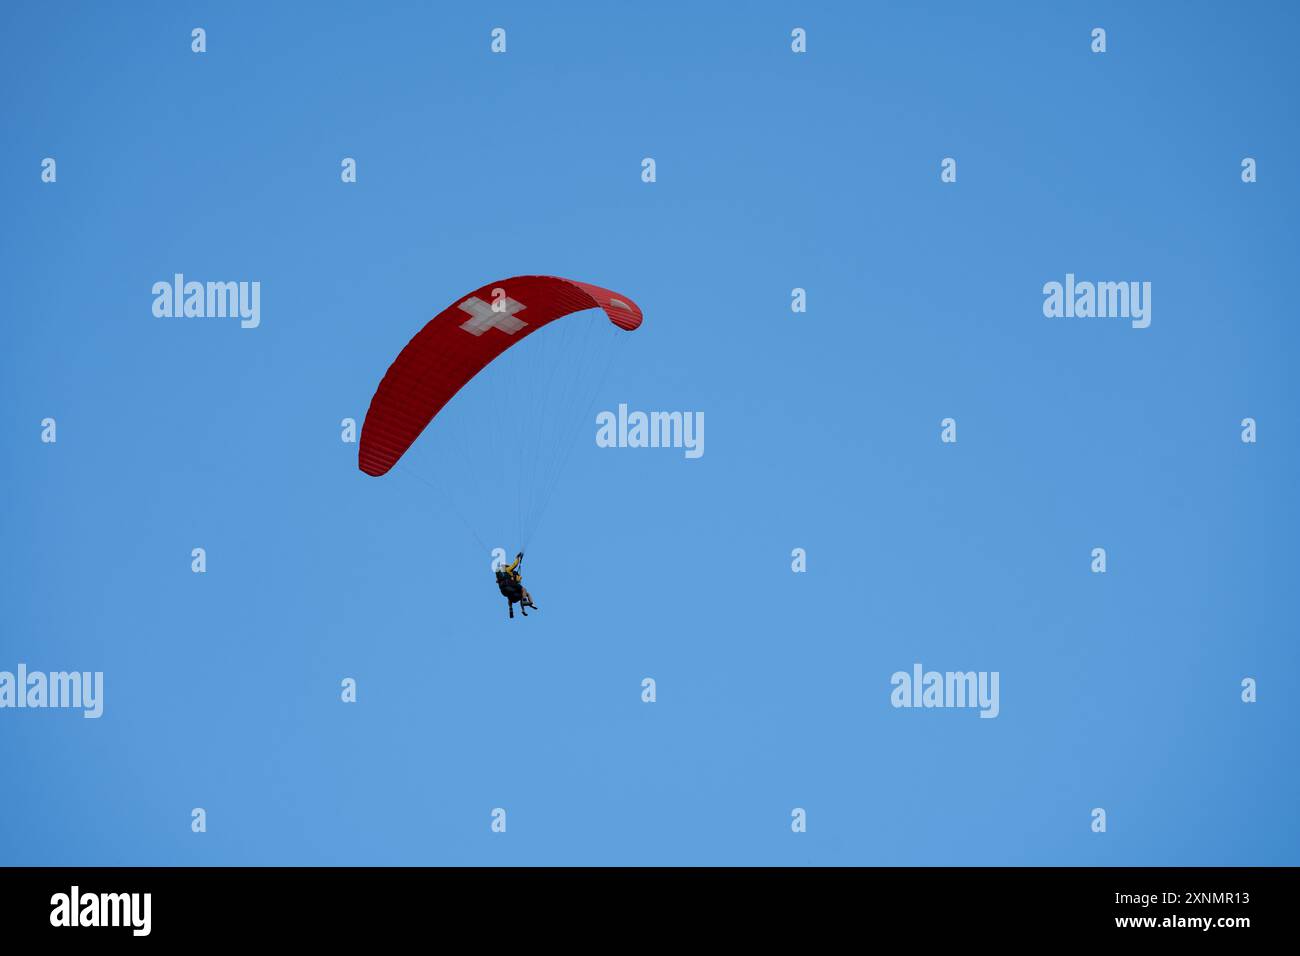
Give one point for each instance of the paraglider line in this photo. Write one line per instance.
(446, 498)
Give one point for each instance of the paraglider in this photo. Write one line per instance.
(454, 348)
(456, 345)
(510, 583)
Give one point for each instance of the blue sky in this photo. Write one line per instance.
(774, 171)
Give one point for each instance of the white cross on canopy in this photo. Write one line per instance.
(484, 316)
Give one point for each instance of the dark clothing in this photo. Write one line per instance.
(510, 586)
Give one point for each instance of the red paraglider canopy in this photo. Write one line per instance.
(458, 343)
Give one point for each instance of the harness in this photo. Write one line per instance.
(510, 586)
